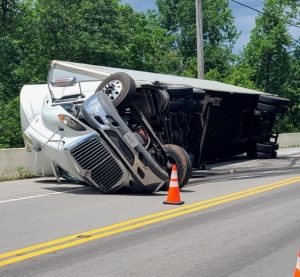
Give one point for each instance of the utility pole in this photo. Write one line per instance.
(200, 52)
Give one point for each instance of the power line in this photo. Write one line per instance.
(260, 12)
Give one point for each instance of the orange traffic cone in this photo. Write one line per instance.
(173, 192)
(297, 270)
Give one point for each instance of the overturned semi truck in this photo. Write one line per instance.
(113, 128)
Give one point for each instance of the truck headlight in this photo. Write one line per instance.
(71, 123)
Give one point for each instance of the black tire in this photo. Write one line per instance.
(120, 87)
(179, 91)
(262, 155)
(268, 108)
(273, 100)
(266, 147)
(198, 94)
(181, 158)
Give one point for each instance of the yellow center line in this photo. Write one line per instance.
(77, 239)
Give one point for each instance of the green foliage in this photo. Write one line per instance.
(267, 52)
(219, 31)
(34, 32)
(95, 32)
(25, 173)
(292, 91)
(10, 128)
(10, 48)
(150, 47)
(241, 75)
(274, 59)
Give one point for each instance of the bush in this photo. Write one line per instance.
(10, 124)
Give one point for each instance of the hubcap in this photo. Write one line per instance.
(113, 89)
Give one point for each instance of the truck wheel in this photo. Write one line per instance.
(268, 108)
(262, 155)
(266, 147)
(273, 100)
(198, 94)
(181, 158)
(179, 91)
(119, 87)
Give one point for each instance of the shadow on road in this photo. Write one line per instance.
(226, 170)
(90, 190)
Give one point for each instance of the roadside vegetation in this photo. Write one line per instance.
(22, 174)
(109, 33)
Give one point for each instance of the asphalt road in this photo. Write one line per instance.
(253, 233)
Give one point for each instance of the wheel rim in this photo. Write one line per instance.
(113, 89)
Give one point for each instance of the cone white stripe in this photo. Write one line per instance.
(174, 176)
(173, 184)
(298, 263)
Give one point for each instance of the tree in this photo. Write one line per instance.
(292, 91)
(10, 127)
(268, 50)
(97, 32)
(151, 47)
(34, 32)
(272, 56)
(10, 14)
(220, 34)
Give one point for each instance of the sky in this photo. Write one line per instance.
(244, 17)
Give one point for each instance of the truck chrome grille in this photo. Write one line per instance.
(92, 155)
(107, 174)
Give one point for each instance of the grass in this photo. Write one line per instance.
(291, 146)
(22, 174)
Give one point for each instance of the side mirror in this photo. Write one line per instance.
(64, 82)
